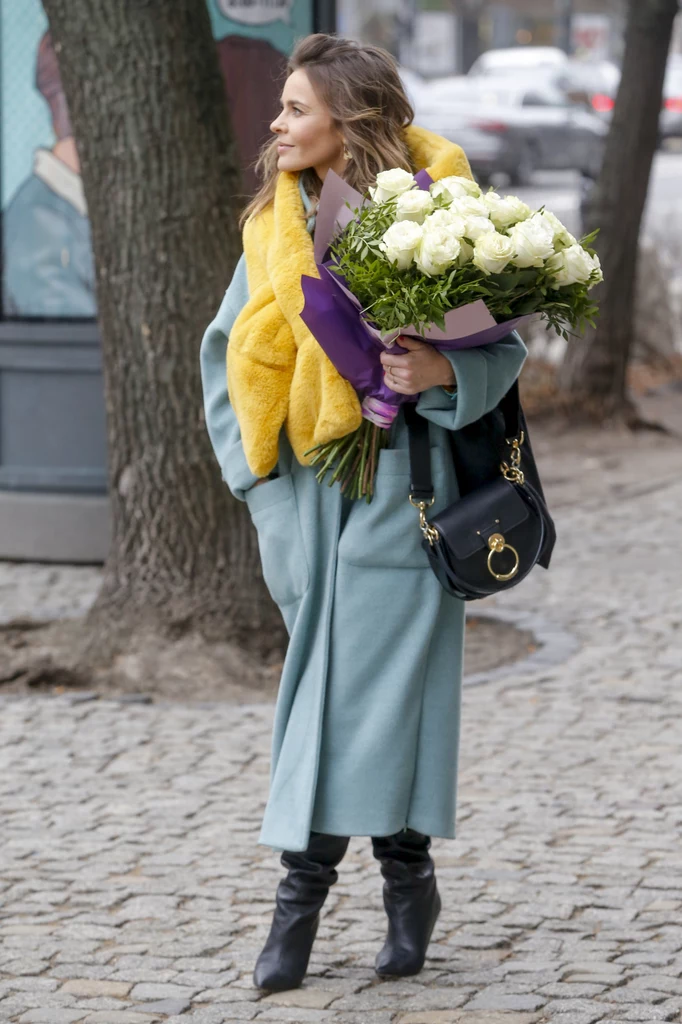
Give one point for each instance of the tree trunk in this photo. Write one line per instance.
(594, 371)
(160, 173)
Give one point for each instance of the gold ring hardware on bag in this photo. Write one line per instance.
(430, 532)
(513, 472)
(497, 544)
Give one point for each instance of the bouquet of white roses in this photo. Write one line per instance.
(417, 254)
(460, 266)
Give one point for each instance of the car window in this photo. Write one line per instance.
(598, 77)
(533, 99)
(544, 98)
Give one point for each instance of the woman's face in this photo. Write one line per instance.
(307, 135)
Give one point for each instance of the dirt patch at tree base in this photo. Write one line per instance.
(39, 658)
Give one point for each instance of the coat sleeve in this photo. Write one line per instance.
(483, 376)
(221, 422)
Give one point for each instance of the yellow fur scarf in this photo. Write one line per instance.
(277, 374)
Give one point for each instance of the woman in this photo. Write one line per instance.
(366, 730)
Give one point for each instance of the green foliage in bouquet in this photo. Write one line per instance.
(392, 297)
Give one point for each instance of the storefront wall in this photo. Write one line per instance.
(53, 451)
(586, 27)
(441, 37)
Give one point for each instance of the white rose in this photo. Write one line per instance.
(414, 205)
(573, 266)
(533, 242)
(469, 206)
(400, 241)
(505, 210)
(454, 187)
(562, 236)
(446, 219)
(466, 253)
(493, 252)
(437, 251)
(597, 274)
(391, 183)
(474, 227)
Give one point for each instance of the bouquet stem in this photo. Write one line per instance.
(352, 460)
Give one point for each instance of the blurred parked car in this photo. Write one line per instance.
(515, 59)
(593, 82)
(482, 140)
(535, 125)
(671, 115)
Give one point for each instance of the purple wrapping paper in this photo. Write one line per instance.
(332, 213)
(333, 314)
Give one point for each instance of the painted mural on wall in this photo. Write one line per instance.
(48, 269)
(47, 254)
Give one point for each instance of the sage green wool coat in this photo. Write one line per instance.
(367, 722)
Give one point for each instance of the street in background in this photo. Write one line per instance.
(534, 126)
(533, 108)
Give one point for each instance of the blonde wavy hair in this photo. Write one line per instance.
(361, 88)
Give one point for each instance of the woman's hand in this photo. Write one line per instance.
(421, 368)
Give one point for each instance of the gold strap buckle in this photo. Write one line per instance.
(512, 470)
(430, 532)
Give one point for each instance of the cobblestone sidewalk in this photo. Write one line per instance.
(132, 888)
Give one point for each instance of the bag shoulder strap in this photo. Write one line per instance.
(421, 481)
(510, 407)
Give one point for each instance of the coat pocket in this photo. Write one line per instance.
(385, 534)
(274, 513)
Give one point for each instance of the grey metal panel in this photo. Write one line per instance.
(53, 480)
(60, 358)
(52, 419)
(54, 527)
(56, 332)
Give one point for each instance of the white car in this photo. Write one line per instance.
(479, 139)
(533, 125)
(515, 59)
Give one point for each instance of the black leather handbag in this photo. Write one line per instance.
(500, 527)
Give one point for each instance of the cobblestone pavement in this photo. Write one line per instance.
(132, 888)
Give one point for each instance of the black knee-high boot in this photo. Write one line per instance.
(284, 960)
(411, 900)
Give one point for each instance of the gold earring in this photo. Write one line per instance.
(346, 154)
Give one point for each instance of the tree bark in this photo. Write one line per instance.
(594, 371)
(160, 174)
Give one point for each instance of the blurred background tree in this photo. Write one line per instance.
(160, 174)
(593, 374)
